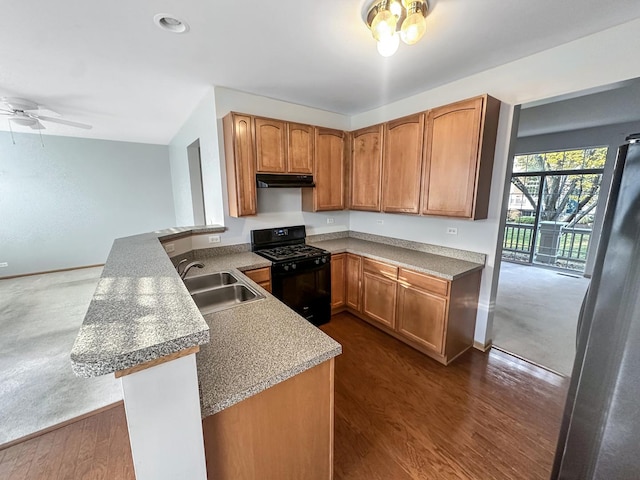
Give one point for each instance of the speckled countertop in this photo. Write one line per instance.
(432, 264)
(140, 311)
(255, 345)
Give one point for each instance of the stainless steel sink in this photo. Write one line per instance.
(208, 281)
(220, 298)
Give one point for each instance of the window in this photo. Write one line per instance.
(552, 204)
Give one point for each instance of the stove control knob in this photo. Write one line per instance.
(324, 259)
(317, 261)
(286, 268)
(293, 266)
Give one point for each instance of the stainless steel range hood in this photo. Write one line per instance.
(274, 180)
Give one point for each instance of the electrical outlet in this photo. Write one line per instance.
(452, 230)
(170, 247)
(380, 222)
(214, 238)
(3, 264)
(330, 220)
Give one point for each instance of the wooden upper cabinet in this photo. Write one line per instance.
(402, 164)
(459, 148)
(328, 193)
(271, 145)
(240, 164)
(300, 140)
(366, 169)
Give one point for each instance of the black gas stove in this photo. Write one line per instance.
(300, 273)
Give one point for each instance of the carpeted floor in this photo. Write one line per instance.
(537, 313)
(39, 320)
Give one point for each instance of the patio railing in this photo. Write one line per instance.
(573, 245)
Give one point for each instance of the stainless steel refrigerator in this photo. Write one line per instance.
(600, 433)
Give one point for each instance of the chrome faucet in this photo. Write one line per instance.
(181, 263)
(189, 266)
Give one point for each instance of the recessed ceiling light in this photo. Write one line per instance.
(170, 23)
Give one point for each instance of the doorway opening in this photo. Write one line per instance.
(552, 206)
(195, 179)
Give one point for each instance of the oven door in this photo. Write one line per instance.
(307, 289)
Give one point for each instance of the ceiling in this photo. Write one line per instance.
(107, 64)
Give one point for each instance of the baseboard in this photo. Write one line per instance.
(51, 271)
(483, 347)
(60, 425)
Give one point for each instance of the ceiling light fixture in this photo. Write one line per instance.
(392, 20)
(170, 23)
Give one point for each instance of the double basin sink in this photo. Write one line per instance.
(213, 292)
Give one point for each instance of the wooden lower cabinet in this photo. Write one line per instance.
(353, 276)
(431, 314)
(262, 276)
(338, 264)
(283, 432)
(379, 299)
(421, 316)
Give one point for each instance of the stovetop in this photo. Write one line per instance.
(291, 252)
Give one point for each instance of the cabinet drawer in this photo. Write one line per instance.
(379, 268)
(429, 283)
(259, 275)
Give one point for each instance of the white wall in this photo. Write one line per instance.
(62, 206)
(201, 125)
(611, 136)
(592, 61)
(280, 206)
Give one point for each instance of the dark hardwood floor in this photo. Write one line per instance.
(95, 448)
(398, 415)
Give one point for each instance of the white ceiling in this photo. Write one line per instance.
(107, 64)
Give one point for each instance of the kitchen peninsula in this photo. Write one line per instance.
(143, 326)
(248, 375)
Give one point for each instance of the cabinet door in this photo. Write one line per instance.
(451, 159)
(422, 316)
(353, 275)
(270, 145)
(402, 164)
(337, 281)
(299, 148)
(262, 276)
(366, 168)
(240, 164)
(328, 193)
(379, 298)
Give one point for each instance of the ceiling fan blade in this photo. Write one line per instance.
(63, 122)
(37, 126)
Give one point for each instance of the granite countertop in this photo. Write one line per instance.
(429, 263)
(254, 345)
(140, 311)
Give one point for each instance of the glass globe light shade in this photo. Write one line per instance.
(396, 8)
(413, 27)
(388, 45)
(383, 24)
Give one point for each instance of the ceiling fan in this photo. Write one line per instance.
(25, 113)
